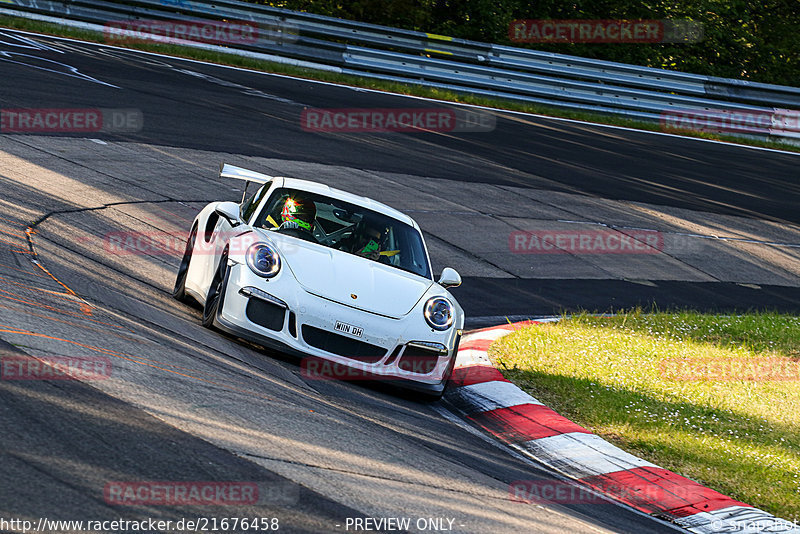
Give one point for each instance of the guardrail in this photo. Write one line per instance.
(506, 72)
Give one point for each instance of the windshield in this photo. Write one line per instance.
(347, 227)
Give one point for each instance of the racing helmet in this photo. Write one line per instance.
(301, 210)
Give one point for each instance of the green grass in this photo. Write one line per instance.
(740, 437)
(369, 83)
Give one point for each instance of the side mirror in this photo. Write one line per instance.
(230, 211)
(450, 278)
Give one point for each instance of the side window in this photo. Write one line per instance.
(252, 203)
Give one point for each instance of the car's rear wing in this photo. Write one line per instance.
(230, 171)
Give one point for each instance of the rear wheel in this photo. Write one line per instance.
(179, 291)
(215, 291)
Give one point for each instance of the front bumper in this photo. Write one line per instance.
(281, 315)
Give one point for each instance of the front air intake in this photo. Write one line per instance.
(341, 345)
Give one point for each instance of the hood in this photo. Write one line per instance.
(337, 275)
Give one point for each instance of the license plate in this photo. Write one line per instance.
(349, 329)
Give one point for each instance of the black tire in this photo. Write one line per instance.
(179, 291)
(215, 291)
(448, 374)
(431, 397)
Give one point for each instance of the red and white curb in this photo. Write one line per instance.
(486, 398)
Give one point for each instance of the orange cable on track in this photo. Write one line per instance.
(12, 243)
(65, 296)
(16, 234)
(32, 273)
(106, 331)
(85, 308)
(53, 308)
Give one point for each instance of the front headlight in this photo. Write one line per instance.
(263, 260)
(439, 313)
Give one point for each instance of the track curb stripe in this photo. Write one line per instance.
(525, 422)
(476, 374)
(582, 455)
(493, 403)
(488, 396)
(656, 490)
(473, 357)
(476, 344)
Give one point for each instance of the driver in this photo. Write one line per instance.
(370, 246)
(372, 243)
(298, 216)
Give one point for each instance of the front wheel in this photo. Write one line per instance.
(179, 291)
(215, 291)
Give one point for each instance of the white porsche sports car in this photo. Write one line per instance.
(307, 269)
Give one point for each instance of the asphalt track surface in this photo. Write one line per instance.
(200, 107)
(185, 403)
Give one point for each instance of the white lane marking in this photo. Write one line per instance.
(737, 519)
(20, 41)
(581, 455)
(28, 61)
(493, 395)
(204, 46)
(74, 48)
(471, 106)
(245, 90)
